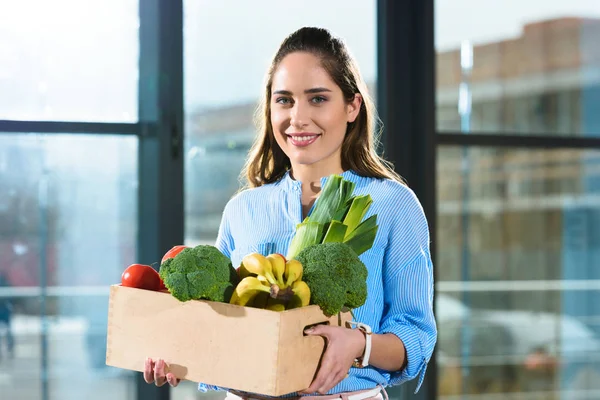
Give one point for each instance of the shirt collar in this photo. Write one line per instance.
(291, 184)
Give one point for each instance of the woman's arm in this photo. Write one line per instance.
(407, 273)
(387, 352)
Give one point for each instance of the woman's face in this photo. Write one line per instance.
(309, 114)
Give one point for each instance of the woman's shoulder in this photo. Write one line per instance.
(395, 203)
(250, 197)
(390, 190)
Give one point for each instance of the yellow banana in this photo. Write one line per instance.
(263, 280)
(243, 272)
(293, 272)
(259, 301)
(301, 297)
(278, 267)
(258, 264)
(246, 290)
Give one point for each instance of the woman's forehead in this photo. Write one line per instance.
(299, 72)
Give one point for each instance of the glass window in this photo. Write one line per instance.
(518, 247)
(68, 60)
(221, 97)
(518, 67)
(68, 228)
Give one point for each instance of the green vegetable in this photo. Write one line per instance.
(337, 278)
(201, 272)
(337, 218)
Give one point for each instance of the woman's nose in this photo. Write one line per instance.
(299, 117)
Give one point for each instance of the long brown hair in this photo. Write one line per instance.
(267, 163)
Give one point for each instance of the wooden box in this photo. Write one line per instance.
(242, 348)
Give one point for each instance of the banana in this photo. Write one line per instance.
(293, 272)
(278, 267)
(259, 301)
(246, 290)
(258, 264)
(301, 297)
(243, 272)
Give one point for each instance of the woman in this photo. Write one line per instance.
(317, 120)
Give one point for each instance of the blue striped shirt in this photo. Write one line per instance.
(400, 271)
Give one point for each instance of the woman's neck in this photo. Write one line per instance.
(311, 176)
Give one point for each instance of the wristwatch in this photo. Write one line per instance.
(366, 329)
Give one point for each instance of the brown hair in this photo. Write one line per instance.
(267, 163)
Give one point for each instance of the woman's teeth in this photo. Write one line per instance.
(303, 138)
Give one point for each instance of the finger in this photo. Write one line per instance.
(321, 378)
(316, 383)
(159, 373)
(319, 330)
(149, 370)
(327, 384)
(330, 383)
(172, 380)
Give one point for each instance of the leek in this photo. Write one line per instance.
(337, 217)
(336, 232)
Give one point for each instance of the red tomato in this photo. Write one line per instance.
(172, 253)
(162, 285)
(141, 276)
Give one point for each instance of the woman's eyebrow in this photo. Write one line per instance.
(307, 91)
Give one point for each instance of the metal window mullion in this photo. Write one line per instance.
(517, 141)
(66, 127)
(160, 157)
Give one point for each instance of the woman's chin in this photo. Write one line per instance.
(302, 161)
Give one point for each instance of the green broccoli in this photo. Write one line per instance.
(337, 278)
(200, 272)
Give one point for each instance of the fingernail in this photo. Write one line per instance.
(309, 330)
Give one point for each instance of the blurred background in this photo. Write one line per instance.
(124, 125)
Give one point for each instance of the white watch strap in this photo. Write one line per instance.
(367, 355)
(367, 331)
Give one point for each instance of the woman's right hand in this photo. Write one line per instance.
(154, 372)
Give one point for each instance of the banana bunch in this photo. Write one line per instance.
(270, 282)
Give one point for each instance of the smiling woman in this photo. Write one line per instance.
(316, 120)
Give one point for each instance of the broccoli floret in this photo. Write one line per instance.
(337, 278)
(200, 272)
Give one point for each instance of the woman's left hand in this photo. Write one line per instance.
(342, 347)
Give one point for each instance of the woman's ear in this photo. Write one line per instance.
(353, 108)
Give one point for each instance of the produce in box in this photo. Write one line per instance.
(322, 266)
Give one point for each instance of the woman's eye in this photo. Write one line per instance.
(318, 99)
(282, 100)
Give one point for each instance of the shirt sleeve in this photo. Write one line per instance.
(408, 288)
(224, 241)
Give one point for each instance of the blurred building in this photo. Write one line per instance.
(545, 81)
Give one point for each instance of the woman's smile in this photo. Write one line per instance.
(302, 139)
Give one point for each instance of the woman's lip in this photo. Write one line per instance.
(302, 134)
(302, 142)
